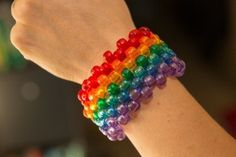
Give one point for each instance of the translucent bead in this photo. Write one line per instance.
(130, 63)
(143, 39)
(93, 107)
(96, 71)
(102, 114)
(142, 61)
(125, 85)
(156, 38)
(152, 70)
(123, 97)
(95, 115)
(144, 50)
(145, 31)
(130, 51)
(139, 72)
(82, 95)
(103, 80)
(134, 41)
(120, 54)
(88, 114)
(154, 59)
(149, 80)
(117, 65)
(134, 106)
(101, 103)
(113, 89)
(146, 92)
(123, 119)
(135, 34)
(112, 100)
(108, 56)
(111, 122)
(122, 109)
(111, 112)
(101, 92)
(135, 94)
(136, 82)
(150, 42)
(107, 68)
(122, 43)
(127, 74)
(115, 77)
(156, 49)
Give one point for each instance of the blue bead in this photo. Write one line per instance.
(140, 72)
(136, 83)
(111, 112)
(112, 100)
(152, 70)
(154, 59)
(124, 97)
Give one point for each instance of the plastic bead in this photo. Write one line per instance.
(156, 49)
(101, 92)
(120, 54)
(112, 101)
(115, 77)
(154, 59)
(117, 65)
(142, 61)
(107, 68)
(103, 80)
(102, 103)
(127, 74)
(130, 51)
(139, 71)
(130, 63)
(125, 85)
(123, 97)
(135, 94)
(144, 50)
(111, 112)
(134, 42)
(133, 106)
(83, 96)
(113, 89)
(136, 83)
(122, 43)
(135, 33)
(108, 56)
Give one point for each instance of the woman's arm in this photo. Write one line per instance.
(68, 37)
(173, 124)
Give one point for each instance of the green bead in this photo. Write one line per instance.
(102, 103)
(156, 49)
(95, 115)
(113, 89)
(112, 100)
(139, 72)
(125, 85)
(154, 59)
(127, 74)
(142, 61)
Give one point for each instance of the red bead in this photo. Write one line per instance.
(145, 31)
(96, 71)
(107, 68)
(122, 44)
(86, 86)
(93, 82)
(108, 56)
(134, 42)
(135, 34)
(119, 54)
(82, 96)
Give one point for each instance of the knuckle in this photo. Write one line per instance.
(22, 10)
(19, 38)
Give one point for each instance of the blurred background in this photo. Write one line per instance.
(40, 116)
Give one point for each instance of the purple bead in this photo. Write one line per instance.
(133, 106)
(112, 131)
(181, 69)
(111, 122)
(134, 94)
(165, 69)
(146, 92)
(160, 80)
(123, 119)
(112, 138)
(122, 109)
(121, 136)
(149, 80)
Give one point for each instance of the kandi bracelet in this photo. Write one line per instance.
(117, 87)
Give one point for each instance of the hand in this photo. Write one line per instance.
(68, 37)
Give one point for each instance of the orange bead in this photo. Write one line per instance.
(130, 63)
(117, 66)
(103, 80)
(143, 40)
(91, 95)
(115, 77)
(156, 38)
(130, 51)
(101, 91)
(144, 50)
(88, 114)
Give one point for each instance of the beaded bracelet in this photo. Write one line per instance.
(127, 77)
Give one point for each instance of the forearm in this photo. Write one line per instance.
(173, 124)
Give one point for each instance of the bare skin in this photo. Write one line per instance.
(68, 37)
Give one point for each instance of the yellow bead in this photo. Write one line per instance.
(115, 77)
(93, 107)
(117, 66)
(143, 40)
(101, 92)
(144, 50)
(130, 63)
